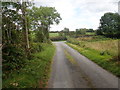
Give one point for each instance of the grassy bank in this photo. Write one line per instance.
(104, 53)
(98, 43)
(35, 74)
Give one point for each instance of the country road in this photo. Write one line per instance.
(84, 74)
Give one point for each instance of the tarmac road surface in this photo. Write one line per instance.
(84, 74)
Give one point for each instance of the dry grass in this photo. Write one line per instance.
(85, 38)
(110, 46)
(98, 43)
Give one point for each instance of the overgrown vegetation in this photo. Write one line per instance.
(100, 45)
(27, 49)
(103, 51)
(35, 73)
(24, 30)
(15, 45)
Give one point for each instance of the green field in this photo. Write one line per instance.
(53, 34)
(90, 33)
(35, 74)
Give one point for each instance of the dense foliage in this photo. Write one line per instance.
(41, 19)
(35, 73)
(14, 55)
(24, 27)
(110, 25)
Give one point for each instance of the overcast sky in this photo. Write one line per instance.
(79, 13)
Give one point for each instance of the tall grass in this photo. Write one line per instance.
(102, 44)
(109, 46)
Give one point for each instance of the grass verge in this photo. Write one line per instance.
(102, 60)
(36, 72)
(70, 58)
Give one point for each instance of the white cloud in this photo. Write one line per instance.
(79, 13)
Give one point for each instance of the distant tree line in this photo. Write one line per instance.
(65, 33)
(54, 31)
(109, 27)
(82, 31)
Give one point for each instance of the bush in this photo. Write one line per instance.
(13, 56)
(36, 47)
(106, 52)
(35, 73)
(102, 53)
(58, 38)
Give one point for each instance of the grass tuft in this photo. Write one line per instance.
(70, 58)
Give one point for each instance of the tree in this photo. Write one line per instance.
(65, 31)
(25, 28)
(81, 31)
(89, 30)
(11, 19)
(17, 20)
(42, 18)
(13, 26)
(110, 24)
(99, 32)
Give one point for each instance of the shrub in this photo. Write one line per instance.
(36, 47)
(58, 38)
(106, 52)
(13, 56)
(102, 53)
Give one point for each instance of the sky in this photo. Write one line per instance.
(77, 14)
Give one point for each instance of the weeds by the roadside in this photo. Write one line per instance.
(35, 74)
(99, 43)
(104, 60)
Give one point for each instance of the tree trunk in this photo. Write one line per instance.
(25, 29)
